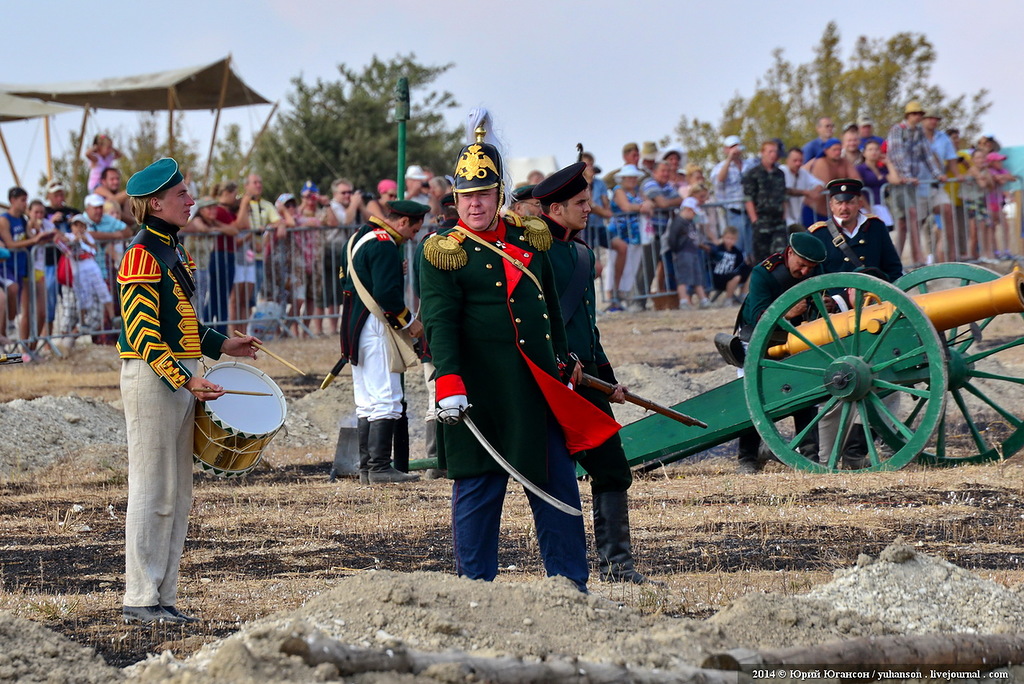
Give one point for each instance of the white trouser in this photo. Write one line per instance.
(160, 425)
(378, 391)
(430, 414)
(634, 254)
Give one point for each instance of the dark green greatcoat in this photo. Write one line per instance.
(484, 337)
(379, 266)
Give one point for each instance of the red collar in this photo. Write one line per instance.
(489, 235)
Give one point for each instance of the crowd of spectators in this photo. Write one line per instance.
(943, 200)
(666, 227)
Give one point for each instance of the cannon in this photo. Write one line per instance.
(909, 364)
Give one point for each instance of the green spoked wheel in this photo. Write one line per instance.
(880, 364)
(981, 421)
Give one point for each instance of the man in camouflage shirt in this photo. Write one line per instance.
(764, 186)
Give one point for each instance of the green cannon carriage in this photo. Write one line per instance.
(910, 361)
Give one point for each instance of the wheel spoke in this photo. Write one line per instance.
(940, 441)
(837, 445)
(995, 376)
(1009, 417)
(890, 417)
(917, 392)
(882, 334)
(831, 327)
(858, 309)
(783, 404)
(872, 451)
(979, 441)
(994, 350)
(788, 366)
(918, 407)
(813, 423)
(793, 330)
(899, 359)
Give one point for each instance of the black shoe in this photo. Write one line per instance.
(149, 615)
(731, 349)
(174, 612)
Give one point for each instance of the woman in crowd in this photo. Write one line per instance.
(387, 191)
(624, 234)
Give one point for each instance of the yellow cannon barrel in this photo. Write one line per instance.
(946, 309)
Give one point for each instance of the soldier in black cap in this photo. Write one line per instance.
(853, 240)
(373, 301)
(494, 327)
(564, 198)
(768, 280)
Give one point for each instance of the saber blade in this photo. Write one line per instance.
(516, 475)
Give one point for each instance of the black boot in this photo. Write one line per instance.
(401, 456)
(382, 435)
(431, 441)
(749, 445)
(363, 426)
(611, 536)
(855, 453)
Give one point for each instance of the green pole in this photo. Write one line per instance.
(401, 115)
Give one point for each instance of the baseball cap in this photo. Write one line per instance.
(309, 187)
(285, 197)
(415, 172)
(995, 156)
(79, 218)
(95, 200)
(55, 186)
(691, 203)
(629, 171)
(386, 185)
(731, 141)
(864, 121)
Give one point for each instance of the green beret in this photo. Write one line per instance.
(413, 210)
(808, 247)
(157, 177)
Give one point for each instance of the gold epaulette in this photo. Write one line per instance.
(816, 226)
(445, 252)
(535, 230)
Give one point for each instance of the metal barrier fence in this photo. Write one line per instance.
(282, 288)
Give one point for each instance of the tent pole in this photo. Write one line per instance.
(76, 165)
(216, 119)
(170, 121)
(49, 155)
(10, 162)
(252, 147)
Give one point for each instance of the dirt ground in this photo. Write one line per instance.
(783, 558)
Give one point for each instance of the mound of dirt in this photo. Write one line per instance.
(31, 653)
(901, 592)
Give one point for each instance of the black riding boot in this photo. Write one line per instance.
(382, 435)
(749, 445)
(363, 426)
(431, 440)
(401, 455)
(611, 536)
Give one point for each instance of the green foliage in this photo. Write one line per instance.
(878, 78)
(343, 128)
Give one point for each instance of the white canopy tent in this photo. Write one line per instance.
(14, 108)
(211, 86)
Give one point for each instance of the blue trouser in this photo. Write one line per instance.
(222, 277)
(476, 519)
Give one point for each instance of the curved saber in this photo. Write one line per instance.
(516, 475)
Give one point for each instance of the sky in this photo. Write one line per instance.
(552, 72)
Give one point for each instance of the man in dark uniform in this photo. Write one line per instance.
(376, 254)
(493, 324)
(865, 245)
(765, 188)
(859, 242)
(565, 201)
(160, 345)
(769, 279)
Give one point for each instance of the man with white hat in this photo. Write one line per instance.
(727, 176)
(416, 184)
(106, 230)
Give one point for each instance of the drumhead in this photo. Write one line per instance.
(248, 414)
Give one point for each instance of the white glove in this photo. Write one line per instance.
(450, 409)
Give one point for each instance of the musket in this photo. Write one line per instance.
(334, 372)
(608, 388)
(510, 469)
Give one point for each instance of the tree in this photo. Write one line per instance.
(343, 128)
(877, 80)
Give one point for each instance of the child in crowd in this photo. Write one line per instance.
(91, 289)
(101, 156)
(975, 192)
(729, 270)
(686, 240)
(996, 198)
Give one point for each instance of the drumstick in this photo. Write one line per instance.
(248, 394)
(271, 354)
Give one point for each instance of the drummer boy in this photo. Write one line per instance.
(160, 345)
